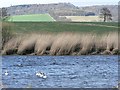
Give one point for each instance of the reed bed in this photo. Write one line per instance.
(63, 44)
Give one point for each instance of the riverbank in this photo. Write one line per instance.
(63, 44)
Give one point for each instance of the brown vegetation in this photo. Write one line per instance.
(6, 33)
(63, 44)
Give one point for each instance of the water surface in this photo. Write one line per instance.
(62, 71)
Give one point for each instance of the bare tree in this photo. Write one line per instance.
(4, 14)
(105, 14)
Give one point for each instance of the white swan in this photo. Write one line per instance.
(6, 73)
(41, 75)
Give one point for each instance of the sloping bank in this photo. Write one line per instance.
(62, 44)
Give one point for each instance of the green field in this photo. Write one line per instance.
(105, 23)
(30, 18)
(25, 27)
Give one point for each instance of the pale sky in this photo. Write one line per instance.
(6, 3)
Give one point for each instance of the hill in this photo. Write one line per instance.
(61, 9)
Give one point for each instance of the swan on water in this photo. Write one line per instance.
(6, 72)
(41, 75)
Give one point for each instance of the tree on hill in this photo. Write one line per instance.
(105, 14)
(3, 13)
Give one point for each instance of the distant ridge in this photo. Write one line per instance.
(61, 9)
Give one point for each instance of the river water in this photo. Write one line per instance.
(61, 71)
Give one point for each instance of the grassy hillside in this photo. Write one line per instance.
(95, 27)
(31, 18)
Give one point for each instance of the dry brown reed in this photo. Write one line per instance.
(63, 44)
(43, 44)
(27, 45)
(12, 45)
(87, 44)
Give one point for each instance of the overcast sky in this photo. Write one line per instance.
(6, 3)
